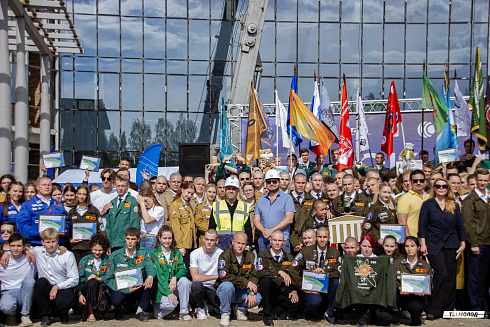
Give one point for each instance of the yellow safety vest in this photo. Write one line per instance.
(224, 223)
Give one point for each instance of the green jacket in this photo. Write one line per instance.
(358, 207)
(220, 171)
(401, 266)
(304, 210)
(324, 171)
(267, 267)
(118, 219)
(119, 261)
(381, 171)
(308, 259)
(378, 214)
(476, 219)
(86, 268)
(166, 270)
(239, 274)
(306, 167)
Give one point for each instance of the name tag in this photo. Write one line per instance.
(127, 204)
(247, 266)
(162, 262)
(332, 260)
(240, 217)
(139, 259)
(360, 204)
(286, 263)
(308, 203)
(421, 270)
(91, 217)
(122, 265)
(88, 269)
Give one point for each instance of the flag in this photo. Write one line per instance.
(148, 163)
(477, 104)
(327, 114)
(392, 118)
(225, 147)
(430, 99)
(315, 109)
(291, 130)
(346, 150)
(281, 120)
(487, 104)
(307, 124)
(462, 114)
(453, 138)
(255, 128)
(267, 136)
(362, 140)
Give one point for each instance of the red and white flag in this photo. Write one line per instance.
(346, 150)
(393, 117)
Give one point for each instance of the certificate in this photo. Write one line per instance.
(398, 231)
(448, 155)
(84, 231)
(414, 283)
(52, 221)
(314, 282)
(53, 160)
(90, 163)
(128, 277)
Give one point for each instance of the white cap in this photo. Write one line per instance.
(272, 174)
(232, 181)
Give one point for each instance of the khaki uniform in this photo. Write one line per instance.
(378, 214)
(183, 225)
(358, 207)
(202, 214)
(166, 200)
(312, 223)
(476, 219)
(402, 266)
(309, 259)
(239, 274)
(304, 211)
(267, 267)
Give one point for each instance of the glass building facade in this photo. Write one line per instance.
(155, 71)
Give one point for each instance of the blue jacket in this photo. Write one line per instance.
(12, 213)
(28, 218)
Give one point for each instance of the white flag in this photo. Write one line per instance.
(462, 114)
(281, 120)
(363, 128)
(315, 107)
(326, 111)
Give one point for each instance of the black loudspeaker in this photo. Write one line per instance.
(192, 158)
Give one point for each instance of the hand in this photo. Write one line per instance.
(43, 168)
(172, 298)
(134, 288)
(148, 282)
(62, 249)
(182, 251)
(267, 233)
(291, 169)
(87, 173)
(285, 277)
(403, 293)
(298, 247)
(252, 287)
(330, 215)
(294, 297)
(251, 300)
(91, 277)
(173, 284)
(31, 257)
(145, 175)
(140, 200)
(81, 300)
(106, 208)
(380, 241)
(423, 248)
(75, 241)
(330, 167)
(460, 250)
(108, 252)
(54, 291)
(319, 271)
(475, 250)
(4, 261)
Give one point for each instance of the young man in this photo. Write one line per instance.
(237, 280)
(160, 186)
(424, 156)
(101, 198)
(332, 191)
(305, 163)
(319, 217)
(350, 246)
(284, 182)
(57, 278)
(124, 163)
(372, 187)
(279, 281)
(338, 180)
(130, 257)
(309, 237)
(258, 180)
(410, 203)
(220, 185)
(167, 197)
(303, 205)
(122, 214)
(293, 166)
(204, 271)
(244, 177)
(17, 281)
(133, 188)
(322, 169)
(198, 197)
(350, 201)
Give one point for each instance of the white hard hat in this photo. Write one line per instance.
(272, 174)
(232, 181)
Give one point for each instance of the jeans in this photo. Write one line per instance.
(313, 302)
(182, 291)
(229, 294)
(148, 242)
(9, 299)
(264, 245)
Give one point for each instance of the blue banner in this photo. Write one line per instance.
(148, 163)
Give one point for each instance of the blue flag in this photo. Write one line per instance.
(296, 138)
(225, 148)
(453, 138)
(148, 163)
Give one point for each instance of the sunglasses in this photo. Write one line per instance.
(10, 231)
(439, 186)
(244, 179)
(272, 181)
(418, 180)
(106, 179)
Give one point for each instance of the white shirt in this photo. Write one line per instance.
(158, 213)
(301, 196)
(17, 270)
(58, 269)
(239, 259)
(352, 196)
(317, 196)
(199, 200)
(274, 255)
(484, 197)
(81, 212)
(207, 264)
(320, 254)
(100, 199)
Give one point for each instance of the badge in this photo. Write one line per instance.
(299, 256)
(222, 263)
(90, 262)
(260, 267)
(88, 270)
(294, 263)
(420, 264)
(139, 259)
(72, 217)
(259, 261)
(79, 266)
(91, 217)
(404, 261)
(310, 265)
(369, 216)
(162, 262)
(367, 225)
(104, 269)
(360, 204)
(135, 209)
(421, 270)
(102, 228)
(308, 203)
(176, 260)
(222, 273)
(122, 265)
(332, 260)
(247, 266)
(286, 263)
(127, 204)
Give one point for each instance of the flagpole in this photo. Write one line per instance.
(277, 134)
(358, 142)
(423, 70)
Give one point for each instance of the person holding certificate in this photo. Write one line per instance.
(414, 303)
(13, 200)
(130, 276)
(90, 290)
(171, 277)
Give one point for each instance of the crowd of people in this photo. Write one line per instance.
(242, 236)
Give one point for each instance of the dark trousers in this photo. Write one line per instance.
(60, 305)
(95, 296)
(443, 295)
(414, 304)
(199, 293)
(141, 295)
(322, 301)
(272, 297)
(476, 273)
(380, 314)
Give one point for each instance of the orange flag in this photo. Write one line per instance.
(255, 127)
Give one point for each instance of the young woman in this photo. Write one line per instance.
(5, 180)
(411, 264)
(368, 244)
(14, 199)
(7, 228)
(182, 221)
(152, 218)
(203, 212)
(85, 213)
(29, 191)
(69, 196)
(390, 248)
(171, 272)
(56, 192)
(248, 191)
(442, 235)
(381, 212)
(92, 294)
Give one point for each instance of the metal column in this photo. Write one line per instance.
(21, 150)
(5, 92)
(45, 119)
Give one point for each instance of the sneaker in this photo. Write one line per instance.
(25, 321)
(206, 309)
(225, 319)
(142, 317)
(362, 322)
(331, 320)
(185, 316)
(201, 314)
(241, 315)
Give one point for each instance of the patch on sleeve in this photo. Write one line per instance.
(299, 256)
(294, 263)
(369, 216)
(259, 261)
(222, 273)
(153, 259)
(135, 209)
(367, 225)
(260, 267)
(79, 266)
(221, 264)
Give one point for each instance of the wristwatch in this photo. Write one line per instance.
(251, 293)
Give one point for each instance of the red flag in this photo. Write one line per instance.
(393, 117)
(346, 150)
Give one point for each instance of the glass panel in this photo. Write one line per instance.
(480, 39)
(131, 131)
(437, 42)
(350, 70)
(132, 92)
(85, 64)
(155, 92)
(435, 71)
(177, 89)
(154, 36)
(176, 130)
(267, 90)
(413, 88)
(416, 11)
(329, 10)
(393, 71)
(462, 71)
(267, 42)
(480, 11)
(460, 11)
(176, 39)
(67, 88)
(132, 37)
(371, 71)
(306, 70)
(109, 124)
(199, 39)
(351, 44)
(308, 11)
(67, 62)
(415, 48)
(217, 7)
(198, 67)
(132, 7)
(438, 11)
(329, 42)
(268, 69)
(351, 11)
(197, 92)
(308, 42)
(156, 132)
(286, 10)
(329, 70)
(371, 89)
(86, 30)
(66, 130)
(413, 71)
(286, 32)
(132, 66)
(199, 8)
(85, 130)
(285, 69)
(395, 11)
(372, 11)
(108, 36)
(154, 8)
(109, 65)
(108, 7)
(176, 8)
(460, 43)
(86, 87)
(155, 66)
(394, 36)
(372, 46)
(176, 67)
(269, 15)
(109, 91)
(84, 7)
(200, 123)
(398, 86)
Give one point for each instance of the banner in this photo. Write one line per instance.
(148, 163)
